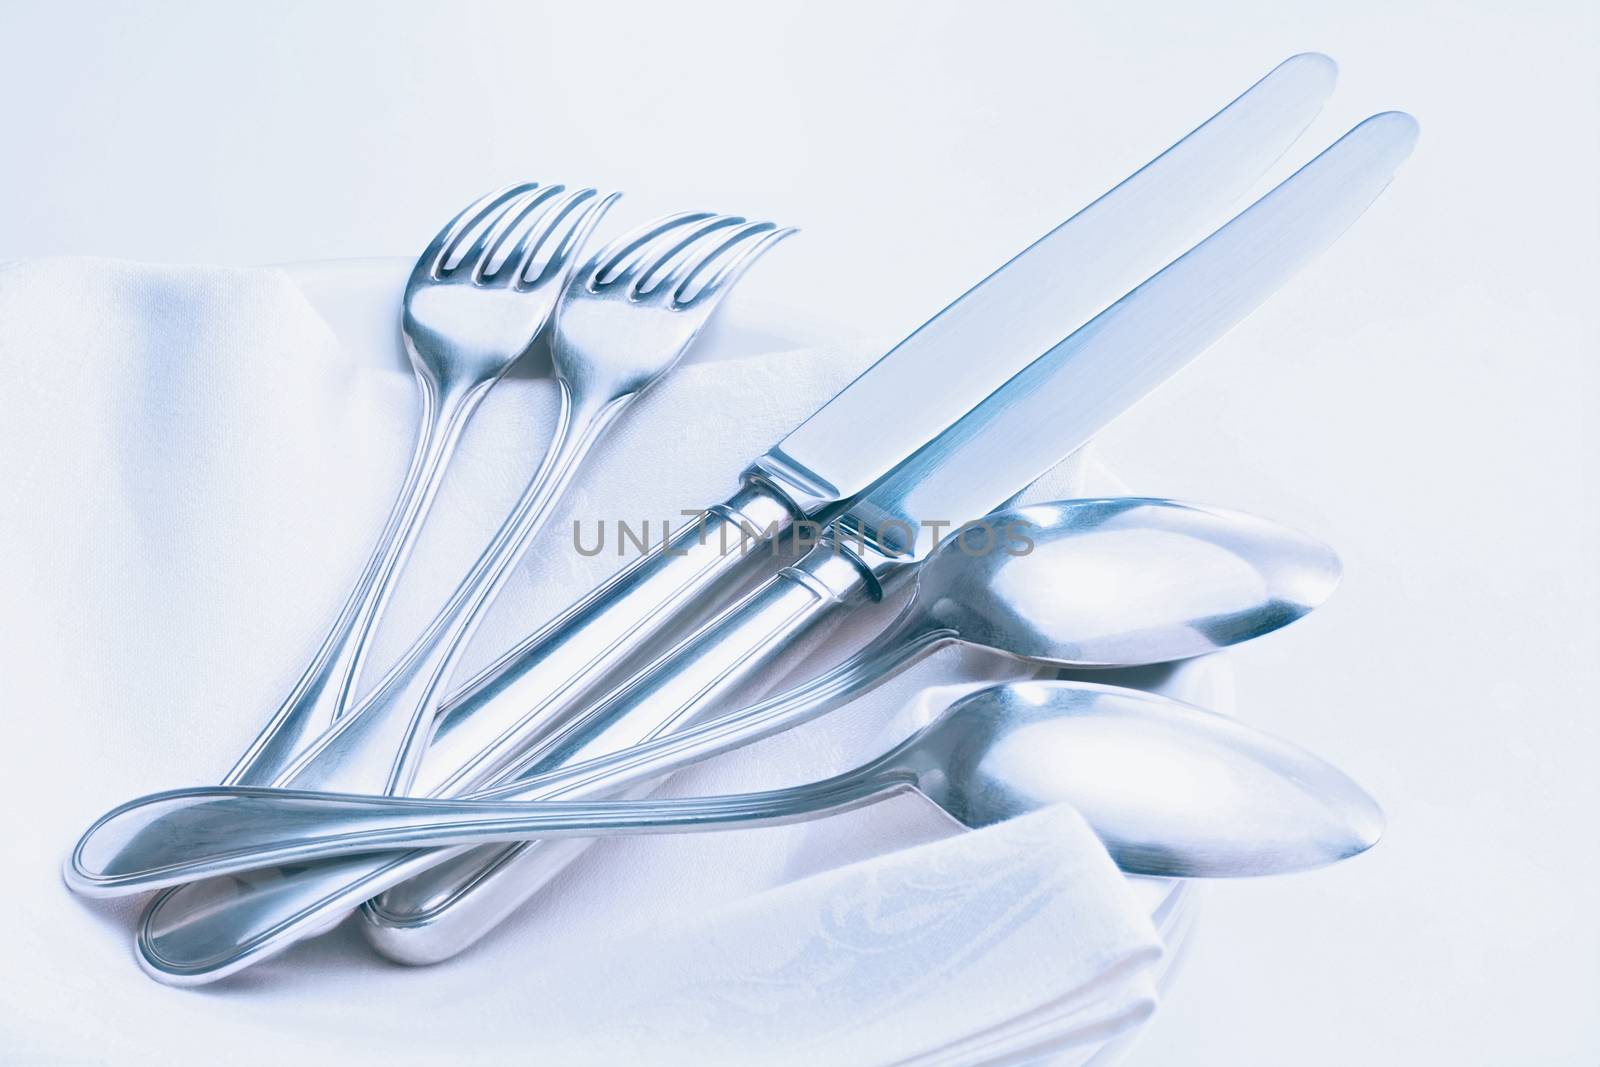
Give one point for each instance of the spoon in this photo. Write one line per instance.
(1085, 583)
(1169, 788)
(1238, 568)
(1098, 582)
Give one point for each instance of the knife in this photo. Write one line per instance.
(1043, 412)
(929, 380)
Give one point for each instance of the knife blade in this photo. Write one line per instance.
(936, 374)
(1194, 300)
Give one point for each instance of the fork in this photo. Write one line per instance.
(624, 320)
(471, 310)
(656, 284)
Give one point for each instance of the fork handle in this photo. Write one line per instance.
(539, 688)
(325, 690)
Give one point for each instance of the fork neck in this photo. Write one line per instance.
(445, 395)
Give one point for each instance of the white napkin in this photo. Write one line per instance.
(192, 465)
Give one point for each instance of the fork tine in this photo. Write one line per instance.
(730, 270)
(695, 260)
(528, 224)
(433, 257)
(579, 234)
(616, 259)
(652, 277)
(488, 228)
(485, 251)
(550, 248)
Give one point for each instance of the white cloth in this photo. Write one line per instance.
(192, 464)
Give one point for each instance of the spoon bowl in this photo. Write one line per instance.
(1123, 581)
(1171, 789)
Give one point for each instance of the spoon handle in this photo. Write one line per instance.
(266, 823)
(203, 944)
(186, 835)
(326, 688)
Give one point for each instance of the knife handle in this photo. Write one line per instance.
(537, 687)
(448, 908)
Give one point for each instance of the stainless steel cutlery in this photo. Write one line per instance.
(1045, 411)
(494, 789)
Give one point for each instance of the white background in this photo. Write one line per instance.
(1418, 398)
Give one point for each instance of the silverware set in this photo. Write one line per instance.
(438, 813)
